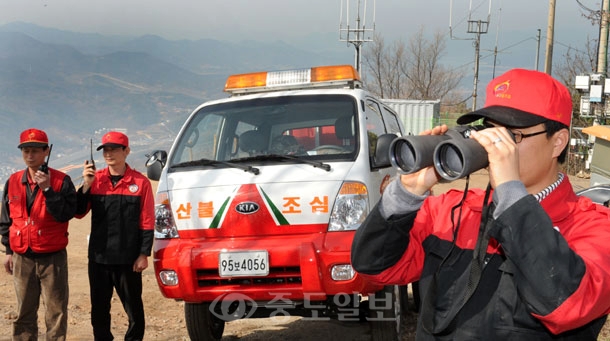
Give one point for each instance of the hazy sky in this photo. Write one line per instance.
(513, 23)
(282, 19)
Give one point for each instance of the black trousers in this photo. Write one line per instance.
(103, 279)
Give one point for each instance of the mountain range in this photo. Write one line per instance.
(76, 86)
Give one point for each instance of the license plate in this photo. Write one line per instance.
(243, 263)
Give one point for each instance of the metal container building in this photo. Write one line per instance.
(416, 115)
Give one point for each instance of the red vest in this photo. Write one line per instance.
(38, 230)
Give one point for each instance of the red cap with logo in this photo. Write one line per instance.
(523, 98)
(114, 139)
(33, 137)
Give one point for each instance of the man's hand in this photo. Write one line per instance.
(8, 264)
(88, 175)
(140, 264)
(420, 182)
(502, 152)
(42, 179)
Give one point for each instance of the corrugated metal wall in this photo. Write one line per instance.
(416, 116)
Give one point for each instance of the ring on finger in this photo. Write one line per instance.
(497, 139)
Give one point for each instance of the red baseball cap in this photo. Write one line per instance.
(523, 98)
(114, 139)
(33, 137)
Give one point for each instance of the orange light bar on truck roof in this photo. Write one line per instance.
(334, 73)
(303, 77)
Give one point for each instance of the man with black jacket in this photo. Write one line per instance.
(37, 204)
(525, 259)
(122, 221)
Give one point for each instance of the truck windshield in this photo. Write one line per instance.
(309, 127)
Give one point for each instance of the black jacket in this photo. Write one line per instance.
(122, 217)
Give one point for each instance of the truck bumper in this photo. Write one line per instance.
(300, 268)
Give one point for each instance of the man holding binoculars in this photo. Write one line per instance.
(525, 259)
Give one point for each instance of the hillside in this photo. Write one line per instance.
(76, 86)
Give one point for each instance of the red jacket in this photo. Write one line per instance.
(41, 230)
(547, 266)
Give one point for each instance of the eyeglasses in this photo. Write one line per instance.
(519, 136)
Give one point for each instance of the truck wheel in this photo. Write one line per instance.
(387, 309)
(201, 324)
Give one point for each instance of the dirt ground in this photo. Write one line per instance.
(165, 318)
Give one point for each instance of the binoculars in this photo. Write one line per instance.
(454, 155)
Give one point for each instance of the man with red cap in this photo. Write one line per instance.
(526, 259)
(37, 205)
(122, 221)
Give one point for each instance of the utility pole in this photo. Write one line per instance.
(537, 50)
(477, 27)
(599, 108)
(603, 40)
(595, 87)
(548, 62)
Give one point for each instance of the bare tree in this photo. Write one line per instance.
(411, 71)
(383, 65)
(428, 79)
(577, 62)
(373, 61)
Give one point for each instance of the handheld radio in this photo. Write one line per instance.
(91, 157)
(45, 166)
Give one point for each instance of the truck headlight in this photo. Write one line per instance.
(351, 207)
(164, 221)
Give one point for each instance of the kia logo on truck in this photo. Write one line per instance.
(247, 207)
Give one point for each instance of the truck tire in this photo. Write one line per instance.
(201, 324)
(387, 309)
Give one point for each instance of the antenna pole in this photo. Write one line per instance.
(358, 35)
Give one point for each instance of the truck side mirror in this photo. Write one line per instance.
(155, 163)
(381, 158)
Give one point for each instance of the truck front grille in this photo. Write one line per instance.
(279, 275)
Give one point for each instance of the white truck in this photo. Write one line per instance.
(260, 196)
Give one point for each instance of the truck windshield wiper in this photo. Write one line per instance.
(316, 164)
(208, 162)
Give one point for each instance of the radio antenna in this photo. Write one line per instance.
(355, 30)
